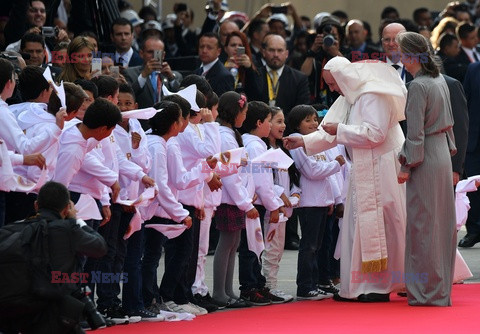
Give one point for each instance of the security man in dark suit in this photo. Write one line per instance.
(472, 160)
(219, 78)
(277, 84)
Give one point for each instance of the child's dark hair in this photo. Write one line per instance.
(163, 120)
(74, 96)
(88, 85)
(257, 111)
(32, 83)
(201, 99)
(293, 172)
(230, 105)
(212, 101)
(6, 72)
(182, 103)
(102, 113)
(126, 88)
(297, 115)
(201, 82)
(107, 85)
(319, 107)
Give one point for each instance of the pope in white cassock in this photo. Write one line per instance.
(365, 119)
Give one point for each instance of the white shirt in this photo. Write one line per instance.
(470, 53)
(207, 67)
(165, 204)
(140, 156)
(315, 170)
(34, 120)
(197, 143)
(126, 57)
(262, 177)
(181, 178)
(73, 148)
(238, 189)
(17, 141)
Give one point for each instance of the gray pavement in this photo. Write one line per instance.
(288, 268)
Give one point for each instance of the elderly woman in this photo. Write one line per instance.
(427, 171)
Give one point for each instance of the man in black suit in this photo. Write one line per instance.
(257, 30)
(357, 41)
(467, 34)
(212, 69)
(472, 160)
(392, 50)
(277, 84)
(122, 38)
(144, 78)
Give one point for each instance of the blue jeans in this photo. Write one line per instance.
(132, 299)
(152, 252)
(249, 267)
(328, 266)
(312, 225)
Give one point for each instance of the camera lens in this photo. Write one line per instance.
(328, 40)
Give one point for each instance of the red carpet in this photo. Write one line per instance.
(335, 317)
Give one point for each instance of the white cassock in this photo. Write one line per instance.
(373, 229)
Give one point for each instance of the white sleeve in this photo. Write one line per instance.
(141, 155)
(165, 197)
(94, 167)
(311, 168)
(69, 163)
(127, 168)
(374, 127)
(179, 176)
(263, 180)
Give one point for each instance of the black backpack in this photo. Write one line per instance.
(25, 271)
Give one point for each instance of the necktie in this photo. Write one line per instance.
(475, 56)
(396, 67)
(274, 78)
(121, 60)
(156, 81)
(159, 87)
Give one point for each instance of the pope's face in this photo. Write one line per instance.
(330, 81)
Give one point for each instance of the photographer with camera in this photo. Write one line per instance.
(29, 17)
(67, 238)
(327, 43)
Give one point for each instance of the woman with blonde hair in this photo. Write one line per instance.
(78, 64)
(446, 25)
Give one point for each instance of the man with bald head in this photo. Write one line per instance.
(277, 84)
(357, 41)
(392, 49)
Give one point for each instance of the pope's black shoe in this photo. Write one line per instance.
(374, 297)
(469, 240)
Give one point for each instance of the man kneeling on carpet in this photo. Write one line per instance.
(48, 244)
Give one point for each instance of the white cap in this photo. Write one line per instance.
(317, 20)
(132, 16)
(279, 17)
(152, 25)
(224, 5)
(169, 21)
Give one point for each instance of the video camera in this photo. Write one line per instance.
(328, 38)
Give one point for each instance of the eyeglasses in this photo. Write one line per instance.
(35, 10)
(388, 40)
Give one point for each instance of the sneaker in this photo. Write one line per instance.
(328, 287)
(146, 315)
(193, 309)
(314, 295)
(205, 302)
(154, 308)
(279, 293)
(170, 306)
(254, 297)
(265, 292)
(116, 314)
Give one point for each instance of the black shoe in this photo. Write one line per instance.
(205, 302)
(237, 303)
(338, 298)
(401, 294)
(292, 245)
(328, 286)
(374, 298)
(469, 240)
(265, 292)
(254, 297)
